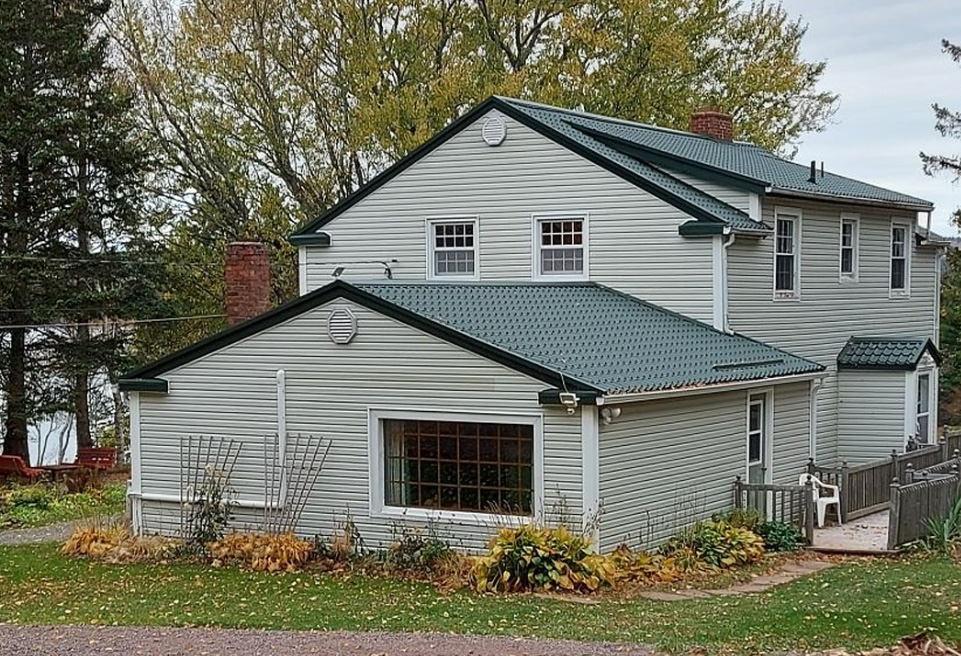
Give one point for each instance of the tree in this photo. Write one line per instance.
(948, 124)
(74, 258)
(269, 111)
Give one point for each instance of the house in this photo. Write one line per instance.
(550, 314)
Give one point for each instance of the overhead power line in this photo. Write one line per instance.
(124, 322)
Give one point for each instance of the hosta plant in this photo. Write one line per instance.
(283, 552)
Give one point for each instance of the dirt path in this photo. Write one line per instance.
(48, 533)
(87, 641)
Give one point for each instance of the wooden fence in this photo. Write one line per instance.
(866, 488)
(914, 505)
(793, 504)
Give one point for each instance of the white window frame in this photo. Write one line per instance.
(908, 248)
(793, 214)
(536, 220)
(767, 446)
(855, 221)
(431, 265)
(378, 507)
(929, 367)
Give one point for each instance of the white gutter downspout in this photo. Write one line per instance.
(135, 487)
(719, 256)
(816, 384)
(730, 241)
(282, 434)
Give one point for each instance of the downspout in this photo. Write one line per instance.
(813, 432)
(282, 435)
(727, 244)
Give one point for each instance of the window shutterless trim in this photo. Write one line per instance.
(900, 292)
(536, 221)
(855, 221)
(376, 449)
(794, 215)
(430, 265)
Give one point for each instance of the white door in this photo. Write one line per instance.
(758, 458)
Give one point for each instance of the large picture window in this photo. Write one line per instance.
(560, 246)
(465, 466)
(786, 267)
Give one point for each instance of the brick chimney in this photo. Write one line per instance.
(247, 277)
(712, 122)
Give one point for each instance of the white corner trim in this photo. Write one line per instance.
(590, 467)
(813, 419)
(910, 405)
(377, 506)
(754, 206)
(136, 470)
(302, 269)
(718, 253)
(536, 245)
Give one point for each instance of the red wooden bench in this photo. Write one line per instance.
(15, 466)
(97, 458)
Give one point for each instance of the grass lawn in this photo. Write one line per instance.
(39, 505)
(858, 605)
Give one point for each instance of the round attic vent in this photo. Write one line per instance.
(494, 131)
(341, 326)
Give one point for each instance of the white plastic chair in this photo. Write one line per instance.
(822, 500)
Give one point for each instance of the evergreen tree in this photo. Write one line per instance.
(73, 256)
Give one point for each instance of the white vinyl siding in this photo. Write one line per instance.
(732, 196)
(633, 236)
(871, 411)
(330, 389)
(848, 249)
(666, 464)
(829, 313)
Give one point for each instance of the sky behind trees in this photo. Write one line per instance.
(885, 61)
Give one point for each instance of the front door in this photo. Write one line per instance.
(757, 447)
(923, 416)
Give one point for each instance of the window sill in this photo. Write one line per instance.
(899, 295)
(453, 516)
(793, 298)
(848, 281)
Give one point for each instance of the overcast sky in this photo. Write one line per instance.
(884, 59)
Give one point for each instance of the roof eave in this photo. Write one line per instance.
(158, 385)
(321, 239)
(851, 200)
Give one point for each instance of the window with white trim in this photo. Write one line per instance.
(560, 246)
(900, 260)
(786, 261)
(849, 249)
(453, 248)
(459, 465)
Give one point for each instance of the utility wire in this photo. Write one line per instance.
(121, 322)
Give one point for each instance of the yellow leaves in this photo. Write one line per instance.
(263, 553)
(115, 543)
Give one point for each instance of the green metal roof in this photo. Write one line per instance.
(901, 353)
(594, 335)
(739, 162)
(577, 336)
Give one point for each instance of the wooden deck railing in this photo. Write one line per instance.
(866, 488)
(792, 504)
(914, 505)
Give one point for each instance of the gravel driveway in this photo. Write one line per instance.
(87, 641)
(48, 533)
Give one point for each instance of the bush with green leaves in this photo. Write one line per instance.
(717, 544)
(944, 533)
(541, 558)
(36, 505)
(780, 536)
(417, 549)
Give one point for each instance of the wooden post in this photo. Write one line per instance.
(810, 509)
(894, 513)
(811, 466)
(943, 443)
(894, 463)
(737, 493)
(909, 474)
(845, 492)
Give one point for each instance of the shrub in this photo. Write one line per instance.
(643, 566)
(742, 518)
(944, 533)
(413, 549)
(540, 558)
(283, 552)
(780, 536)
(716, 544)
(208, 512)
(35, 497)
(114, 542)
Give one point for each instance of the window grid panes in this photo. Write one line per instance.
(785, 262)
(476, 467)
(562, 246)
(454, 248)
(848, 247)
(755, 434)
(899, 260)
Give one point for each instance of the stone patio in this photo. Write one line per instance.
(865, 535)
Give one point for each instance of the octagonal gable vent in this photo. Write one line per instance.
(341, 326)
(494, 131)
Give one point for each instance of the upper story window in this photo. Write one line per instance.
(453, 248)
(900, 260)
(787, 255)
(849, 248)
(560, 247)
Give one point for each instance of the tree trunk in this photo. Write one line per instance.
(15, 433)
(81, 400)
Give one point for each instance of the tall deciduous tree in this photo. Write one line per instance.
(74, 258)
(948, 124)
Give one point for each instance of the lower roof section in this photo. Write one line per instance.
(897, 353)
(579, 336)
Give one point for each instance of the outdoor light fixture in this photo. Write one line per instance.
(339, 270)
